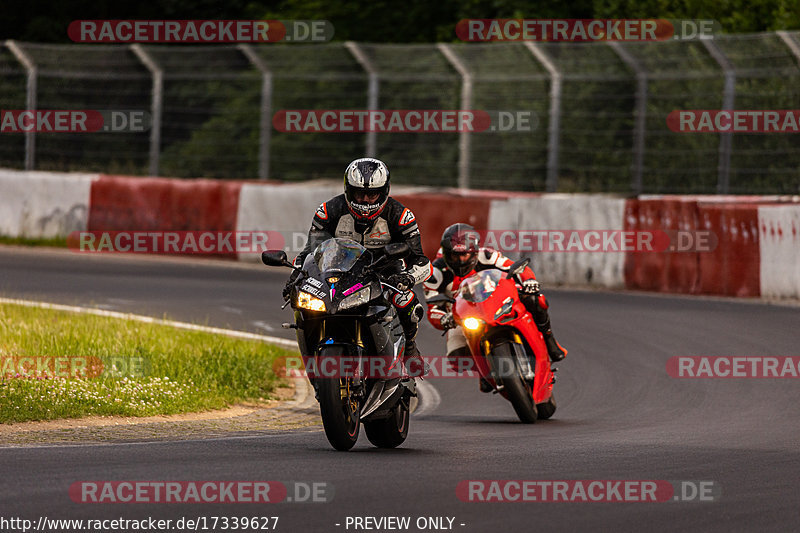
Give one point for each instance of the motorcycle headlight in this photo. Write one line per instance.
(307, 301)
(473, 324)
(356, 299)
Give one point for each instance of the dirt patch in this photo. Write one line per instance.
(294, 407)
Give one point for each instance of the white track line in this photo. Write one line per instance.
(285, 343)
(429, 398)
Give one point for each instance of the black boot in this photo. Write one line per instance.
(485, 386)
(413, 363)
(554, 350)
(541, 318)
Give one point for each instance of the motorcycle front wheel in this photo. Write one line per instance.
(505, 366)
(339, 407)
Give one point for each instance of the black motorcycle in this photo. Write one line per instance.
(351, 340)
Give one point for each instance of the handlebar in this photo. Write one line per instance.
(384, 284)
(440, 299)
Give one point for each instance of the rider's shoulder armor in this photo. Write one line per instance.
(490, 258)
(401, 219)
(441, 277)
(330, 211)
(394, 223)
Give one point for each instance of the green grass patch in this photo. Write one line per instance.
(57, 364)
(56, 242)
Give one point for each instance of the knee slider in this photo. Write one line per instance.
(417, 313)
(460, 360)
(462, 351)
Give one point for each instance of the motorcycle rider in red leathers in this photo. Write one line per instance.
(366, 214)
(461, 257)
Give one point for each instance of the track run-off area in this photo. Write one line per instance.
(621, 416)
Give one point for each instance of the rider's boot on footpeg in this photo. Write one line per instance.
(413, 363)
(554, 349)
(538, 308)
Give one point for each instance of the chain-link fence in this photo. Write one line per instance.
(600, 111)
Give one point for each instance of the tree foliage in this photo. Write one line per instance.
(388, 20)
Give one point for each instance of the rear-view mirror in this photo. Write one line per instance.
(275, 258)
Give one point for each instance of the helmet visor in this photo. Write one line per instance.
(461, 262)
(366, 202)
(366, 196)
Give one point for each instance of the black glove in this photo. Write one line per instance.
(287, 289)
(403, 281)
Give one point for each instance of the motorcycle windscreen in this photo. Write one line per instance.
(480, 286)
(337, 255)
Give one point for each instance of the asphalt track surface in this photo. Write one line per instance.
(620, 416)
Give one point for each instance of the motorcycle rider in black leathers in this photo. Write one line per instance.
(461, 257)
(367, 214)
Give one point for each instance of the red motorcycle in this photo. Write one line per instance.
(506, 346)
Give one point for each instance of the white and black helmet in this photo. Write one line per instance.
(366, 175)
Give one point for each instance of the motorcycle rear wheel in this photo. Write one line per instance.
(389, 432)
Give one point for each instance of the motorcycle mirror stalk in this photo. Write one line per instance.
(518, 267)
(276, 258)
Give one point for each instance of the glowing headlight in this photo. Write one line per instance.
(472, 323)
(354, 300)
(307, 301)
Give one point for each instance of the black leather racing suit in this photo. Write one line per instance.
(394, 224)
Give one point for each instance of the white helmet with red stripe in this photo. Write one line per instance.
(366, 187)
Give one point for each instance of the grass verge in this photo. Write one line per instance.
(55, 242)
(57, 364)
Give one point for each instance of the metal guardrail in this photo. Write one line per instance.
(601, 110)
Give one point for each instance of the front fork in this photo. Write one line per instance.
(526, 370)
(351, 389)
